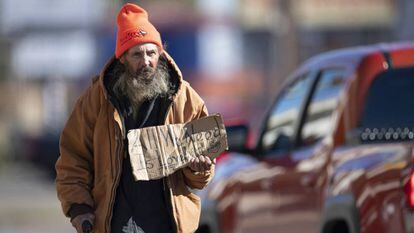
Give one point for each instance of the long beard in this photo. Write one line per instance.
(140, 86)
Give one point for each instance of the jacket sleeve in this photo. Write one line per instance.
(198, 180)
(74, 167)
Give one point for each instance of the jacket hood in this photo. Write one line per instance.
(106, 78)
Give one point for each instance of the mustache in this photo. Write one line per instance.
(146, 71)
(145, 74)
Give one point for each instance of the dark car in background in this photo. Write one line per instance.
(335, 152)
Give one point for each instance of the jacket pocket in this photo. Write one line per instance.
(188, 208)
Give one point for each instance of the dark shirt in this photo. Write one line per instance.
(146, 202)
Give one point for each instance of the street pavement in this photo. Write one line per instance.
(28, 202)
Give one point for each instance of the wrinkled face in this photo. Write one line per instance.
(141, 58)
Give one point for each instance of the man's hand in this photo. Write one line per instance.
(80, 219)
(200, 163)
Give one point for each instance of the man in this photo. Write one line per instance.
(141, 86)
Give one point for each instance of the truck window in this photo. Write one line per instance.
(285, 115)
(324, 100)
(389, 106)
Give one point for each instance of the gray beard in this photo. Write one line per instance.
(144, 85)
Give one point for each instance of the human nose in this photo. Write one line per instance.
(147, 61)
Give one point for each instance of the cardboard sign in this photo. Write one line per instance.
(159, 151)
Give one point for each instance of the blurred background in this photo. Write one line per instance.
(235, 50)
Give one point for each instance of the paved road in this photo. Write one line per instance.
(28, 202)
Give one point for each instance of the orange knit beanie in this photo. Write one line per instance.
(134, 28)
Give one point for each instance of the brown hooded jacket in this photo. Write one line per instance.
(91, 150)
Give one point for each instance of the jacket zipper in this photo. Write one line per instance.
(118, 148)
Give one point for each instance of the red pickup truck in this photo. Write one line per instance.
(335, 153)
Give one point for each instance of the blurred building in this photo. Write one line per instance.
(323, 25)
(52, 48)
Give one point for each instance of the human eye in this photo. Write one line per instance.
(137, 54)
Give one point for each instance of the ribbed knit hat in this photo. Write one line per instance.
(134, 28)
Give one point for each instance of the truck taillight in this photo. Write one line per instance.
(409, 190)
